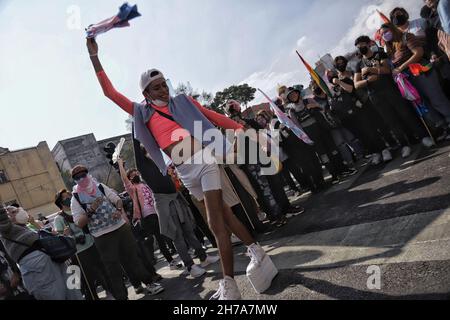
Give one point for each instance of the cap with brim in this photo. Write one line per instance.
(148, 77)
(79, 169)
(292, 90)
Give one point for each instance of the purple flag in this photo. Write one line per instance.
(126, 13)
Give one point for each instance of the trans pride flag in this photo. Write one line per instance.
(285, 120)
(126, 13)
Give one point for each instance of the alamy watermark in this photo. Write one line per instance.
(374, 280)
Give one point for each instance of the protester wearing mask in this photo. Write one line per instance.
(374, 74)
(100, 208)
(358, 117)
(405, 49)
(87, 256)
(289, 166)
(275, 181)
(145, 212)
(43, 278)
(425, 33)
(302, 159)
(349, 144)
(313, 116)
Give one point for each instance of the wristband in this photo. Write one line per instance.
(93, 55)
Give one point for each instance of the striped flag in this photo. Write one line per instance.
(320, 82)
(126, 13)
(383, 17)
(285, 120)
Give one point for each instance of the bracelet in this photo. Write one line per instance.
(93, 55)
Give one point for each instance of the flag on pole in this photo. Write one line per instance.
(378, 37)
(126, 13)
(383, 17)
(285, 120)
(320, 82)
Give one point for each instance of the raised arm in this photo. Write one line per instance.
(108, 88)
(217, 118)
(123, 175)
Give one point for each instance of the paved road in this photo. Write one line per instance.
(396, 217)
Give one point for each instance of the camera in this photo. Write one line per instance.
(80, 239)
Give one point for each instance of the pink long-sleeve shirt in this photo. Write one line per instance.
(161, 127)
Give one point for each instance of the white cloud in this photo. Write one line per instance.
(288, 71)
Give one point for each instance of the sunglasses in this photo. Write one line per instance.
(80, 176)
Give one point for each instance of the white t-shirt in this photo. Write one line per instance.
(418, 27)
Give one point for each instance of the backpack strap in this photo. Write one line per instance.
(102, 189)
(165, 115)
(77, 197)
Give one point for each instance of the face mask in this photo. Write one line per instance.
(66, 202)
(69, 212)
(341, 67)
(262, 123)
(136, 180)
(388, 36)
(159, 103)
(317, 91)
(364, 50)
(22, 216)
(400, 20)
(84, 182)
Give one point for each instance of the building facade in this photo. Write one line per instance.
(30, 178)
(87, 151)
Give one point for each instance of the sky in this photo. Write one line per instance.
(49, 91)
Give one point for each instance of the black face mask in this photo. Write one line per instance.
(136, 180)
(364, 50)
(66, 202)
(341, 67)
(400, 20)
(317, 91)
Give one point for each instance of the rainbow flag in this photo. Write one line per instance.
(383, 17)
(417, 69)
(320, 82)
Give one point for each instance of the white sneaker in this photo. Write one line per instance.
(209, 260)
(260, 271)
(154, 288)
(387, 156)
(427, 142)
(262, 216)
(175, 265)
(256, 254)
(406, 152)
(196, 271)
(228, 290)
(376, 159)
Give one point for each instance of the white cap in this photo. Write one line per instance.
(148, 77)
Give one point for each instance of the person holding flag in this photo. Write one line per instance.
(407, 52)
(165, 126)
(374, 74)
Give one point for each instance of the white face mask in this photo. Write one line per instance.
(159, 103)
(22, 216)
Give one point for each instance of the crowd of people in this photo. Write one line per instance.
(190, 206)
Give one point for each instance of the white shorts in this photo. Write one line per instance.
(200, 176)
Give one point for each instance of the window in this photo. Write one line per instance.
(3, 178)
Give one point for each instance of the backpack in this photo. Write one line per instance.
(58, 248)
